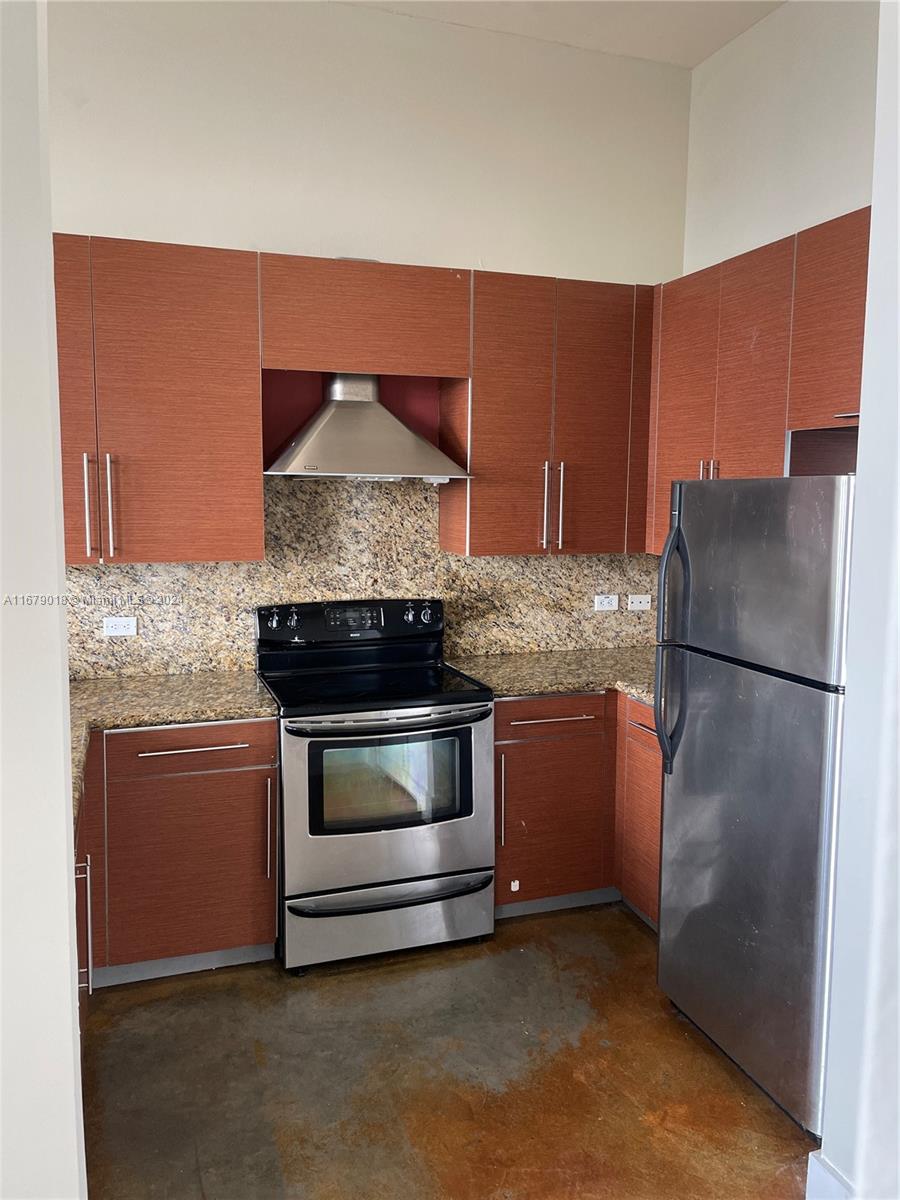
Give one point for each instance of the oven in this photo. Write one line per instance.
(387, 829)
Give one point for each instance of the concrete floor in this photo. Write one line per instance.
(541, 1065)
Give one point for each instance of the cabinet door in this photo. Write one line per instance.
(554, 817)
(754, 350)
(90, 863)
(640, 809)
(77, 409)
(323, 314)
(176, 334)
(512, 391)
(191, 864)
(829, 320)
(594, 339)
(686, 399)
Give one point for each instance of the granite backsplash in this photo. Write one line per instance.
(339, 539)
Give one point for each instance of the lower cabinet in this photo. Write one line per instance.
(191, 864)
(554, 792)
(638, 807)
(90, 867)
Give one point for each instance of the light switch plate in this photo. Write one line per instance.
(606, 603)
(638, 603)
(119, 626)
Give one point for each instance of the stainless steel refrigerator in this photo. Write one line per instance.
(750, 673)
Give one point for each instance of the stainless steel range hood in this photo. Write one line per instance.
(355, 437)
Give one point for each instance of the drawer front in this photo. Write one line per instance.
(640, 720)
(550, 716)
(174, 749)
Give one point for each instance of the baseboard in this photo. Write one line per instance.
(824, 1181)
(159, 968)
(551, 903)
(637, 912)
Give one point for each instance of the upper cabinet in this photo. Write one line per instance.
(754, 347)
(162, 447)
(556, 414)
(829, 319)
(322, 314)
(77, 409)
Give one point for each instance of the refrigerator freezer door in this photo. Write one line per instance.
(764, 565)
(747, 868)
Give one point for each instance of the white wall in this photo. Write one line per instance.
(781, 130)
(339, 130)
(42, 1153)
(860, 1136)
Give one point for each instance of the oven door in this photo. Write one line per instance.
(386, 796)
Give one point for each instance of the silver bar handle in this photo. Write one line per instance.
(85, 868)
(562, 477)
(845, 416)
(713, 469)
(554, 720)
(702, 474)
(192, 750)
(87, 506)
(268, 827)
(502, 799)
(545, 536)
(109, 506)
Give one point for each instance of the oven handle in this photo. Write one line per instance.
(300, 908)
(355, 729)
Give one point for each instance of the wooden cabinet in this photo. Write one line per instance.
(829, 320)
(90, 865)
(191, 863)
(686, 389)
(321, 314)
(554, 792)
(176, 346)
(77, 408)
(753, 356)
(557, 415)
(638, 807)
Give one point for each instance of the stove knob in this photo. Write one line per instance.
(409, 616)
(273, 621)
(293, 621)
(426, 616)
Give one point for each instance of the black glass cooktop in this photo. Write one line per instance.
(307, 693)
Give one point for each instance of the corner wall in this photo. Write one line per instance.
(781, 128)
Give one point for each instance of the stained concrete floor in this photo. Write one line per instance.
(541, 1065)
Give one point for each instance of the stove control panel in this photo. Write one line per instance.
(348, 621)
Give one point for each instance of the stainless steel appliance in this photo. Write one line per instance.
(749, 701)
(387, 813)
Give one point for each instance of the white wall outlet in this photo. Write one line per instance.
(514, 885)
(606, 603)
(119, 626)
(638, 603)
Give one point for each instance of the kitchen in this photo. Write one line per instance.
(387, 780)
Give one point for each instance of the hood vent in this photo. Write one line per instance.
(355, 437)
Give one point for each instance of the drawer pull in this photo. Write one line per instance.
(554, 720)
(846, 416)
(646, 728)
(192, 750)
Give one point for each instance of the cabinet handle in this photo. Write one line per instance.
(192, 750)
(545, 536)
(702, 474)
(85, 869)
(268, 827)
(845, 416)
(713, 468)
(562, 477)
(502, 799)
(109, 506)
(553, 720)
(87, 506)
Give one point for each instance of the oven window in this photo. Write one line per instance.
(389, 782)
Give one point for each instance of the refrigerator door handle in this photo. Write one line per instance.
(659, 710)
(666, 555)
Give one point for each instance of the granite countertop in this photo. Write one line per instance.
(628, 669)
(131, 701)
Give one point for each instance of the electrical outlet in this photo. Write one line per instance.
(514, 885)
(119, 626)
(606, 603)
(638, 603)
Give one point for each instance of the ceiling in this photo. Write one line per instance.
(683, 32)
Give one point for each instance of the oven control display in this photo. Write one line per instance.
(353, 617)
